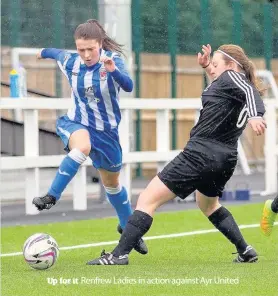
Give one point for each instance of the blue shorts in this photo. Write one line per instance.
(106, 151)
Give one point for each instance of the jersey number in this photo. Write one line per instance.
(242, 117)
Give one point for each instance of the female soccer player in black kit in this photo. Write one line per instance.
(210, 156)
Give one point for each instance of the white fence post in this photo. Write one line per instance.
(270, 150)
(80, 190)
(124, 134)
(162, 134)
(31, 148)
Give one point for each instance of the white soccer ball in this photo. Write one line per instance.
(40, 251)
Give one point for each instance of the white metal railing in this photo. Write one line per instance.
(31, 161)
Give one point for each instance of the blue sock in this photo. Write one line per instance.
(67, 170)
(119, 200)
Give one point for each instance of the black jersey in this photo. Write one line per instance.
(227, 103)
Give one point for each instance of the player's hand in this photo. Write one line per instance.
(109, 64)
(204, 58)
(39, 56)
(258, 125)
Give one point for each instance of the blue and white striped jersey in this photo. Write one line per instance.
(94, 91)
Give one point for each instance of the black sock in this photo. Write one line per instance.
(274, 205)
(223, 220)
(138, 224)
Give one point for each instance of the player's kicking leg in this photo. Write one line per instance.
(80, 147)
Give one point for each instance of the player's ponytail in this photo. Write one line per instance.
(250, 75)
(249, 70)
(92, 29)
(111, 45)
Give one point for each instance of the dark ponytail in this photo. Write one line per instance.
(249, 69)
(93, 30)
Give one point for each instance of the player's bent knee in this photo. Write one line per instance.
(80, 140)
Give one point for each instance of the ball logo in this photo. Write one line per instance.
(90, 95)
(52, 243)
(102, 74)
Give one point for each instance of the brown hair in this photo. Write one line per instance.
(93, 30)
(248, 67)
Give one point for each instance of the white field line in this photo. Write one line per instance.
(165, 236)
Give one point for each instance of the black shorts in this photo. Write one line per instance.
(203, 165)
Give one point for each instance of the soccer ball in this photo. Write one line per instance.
(40, 251)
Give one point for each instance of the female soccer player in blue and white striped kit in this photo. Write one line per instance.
(96, 73)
